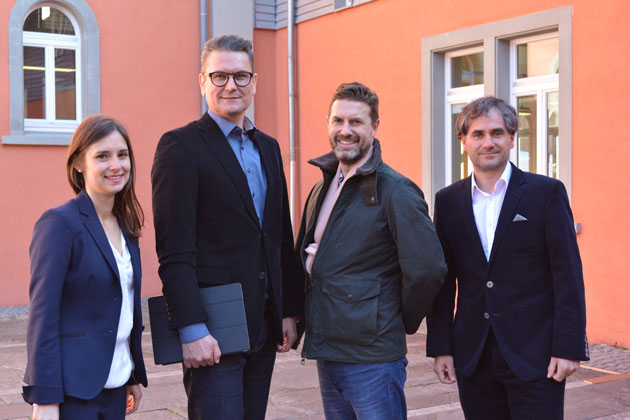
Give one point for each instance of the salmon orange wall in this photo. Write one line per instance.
(149, 67)
(379, 44)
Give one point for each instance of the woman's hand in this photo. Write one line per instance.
(45, 411)
(134, 395)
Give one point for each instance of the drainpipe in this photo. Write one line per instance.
(203, 32)
(291, 64)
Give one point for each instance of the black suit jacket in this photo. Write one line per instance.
(530, 292)
(75, 306)
(207, 231)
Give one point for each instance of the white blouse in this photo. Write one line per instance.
(122, 365)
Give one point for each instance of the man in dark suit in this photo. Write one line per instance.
(514, 264)
(221, 216)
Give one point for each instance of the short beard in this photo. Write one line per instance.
(347, 157)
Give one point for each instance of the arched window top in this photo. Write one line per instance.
(50, 20)
(54, 70)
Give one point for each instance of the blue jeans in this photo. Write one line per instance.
(235, 389)
(363, 391)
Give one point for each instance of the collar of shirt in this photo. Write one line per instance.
(505, 177)
(227, 126)
(353, 169)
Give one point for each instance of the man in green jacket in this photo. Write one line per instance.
(374, 265)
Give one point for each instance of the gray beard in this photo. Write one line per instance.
(349, 157)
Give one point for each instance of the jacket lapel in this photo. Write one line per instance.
(466, 210)
(219, 145)
(267, 161)
(94, 227)
(134, 252)
(512, 197)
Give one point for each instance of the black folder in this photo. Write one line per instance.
(226, 323)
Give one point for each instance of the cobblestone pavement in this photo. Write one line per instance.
(600, 389)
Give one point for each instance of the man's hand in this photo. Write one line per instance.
(444, 367)
(45, 411)
(560, 369)
(202, 352)
(134, 395)
(289, 331)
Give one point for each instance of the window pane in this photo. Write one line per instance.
(553, 102)
(459, 158)
(467, 70)
(527, 133)
(65, 84)
(34, 83)
(49, 20)
(537, 58)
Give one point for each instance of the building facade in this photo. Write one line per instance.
(560, 63)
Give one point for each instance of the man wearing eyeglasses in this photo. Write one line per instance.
(221, 216)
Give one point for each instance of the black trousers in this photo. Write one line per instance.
(109, 404)
(235, 389)
(495, 392)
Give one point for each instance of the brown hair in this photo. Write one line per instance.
(126, 206)
(358, 92)
(482, 106)
(230, 43)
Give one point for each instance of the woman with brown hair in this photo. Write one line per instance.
(85, 321)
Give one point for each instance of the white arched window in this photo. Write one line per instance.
(54, 70)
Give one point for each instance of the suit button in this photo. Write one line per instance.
(490, 285)
(486, 315)
(350, 297)
(261, 275)
(109, 331)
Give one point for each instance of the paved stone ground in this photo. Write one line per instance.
(598, 390)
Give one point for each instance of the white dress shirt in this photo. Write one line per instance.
(122, 365)
(487, 207)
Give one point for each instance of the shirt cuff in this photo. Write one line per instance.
(193, 332)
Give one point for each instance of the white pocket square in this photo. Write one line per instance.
(519, 218)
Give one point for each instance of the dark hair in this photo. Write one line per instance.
(356, 91)
(232, 43)
(126, 206)
(482, 106)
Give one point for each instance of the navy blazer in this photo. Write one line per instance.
(207, 231)
(531, 291)
(76, 299)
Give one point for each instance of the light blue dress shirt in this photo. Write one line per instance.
(248, 157)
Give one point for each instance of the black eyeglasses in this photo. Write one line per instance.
(221, 78)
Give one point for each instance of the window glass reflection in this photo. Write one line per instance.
(34, 83)
(65, 84)
(467, 70)
(553, 105)
(537, 58)
(527, 135)
(48, 20)
(459, 158)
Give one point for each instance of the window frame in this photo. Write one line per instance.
(496, 38)
(88, 59)
(51, 42)
(454, 96)
(540, 86)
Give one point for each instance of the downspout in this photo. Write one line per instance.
(203, 32)
(291, 65)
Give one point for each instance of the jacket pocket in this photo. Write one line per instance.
(71, 335)
(350, 309)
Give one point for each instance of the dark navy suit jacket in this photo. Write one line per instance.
(207, 231)
(531, 290)
(75, 306)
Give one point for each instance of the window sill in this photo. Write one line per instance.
(38, 139)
